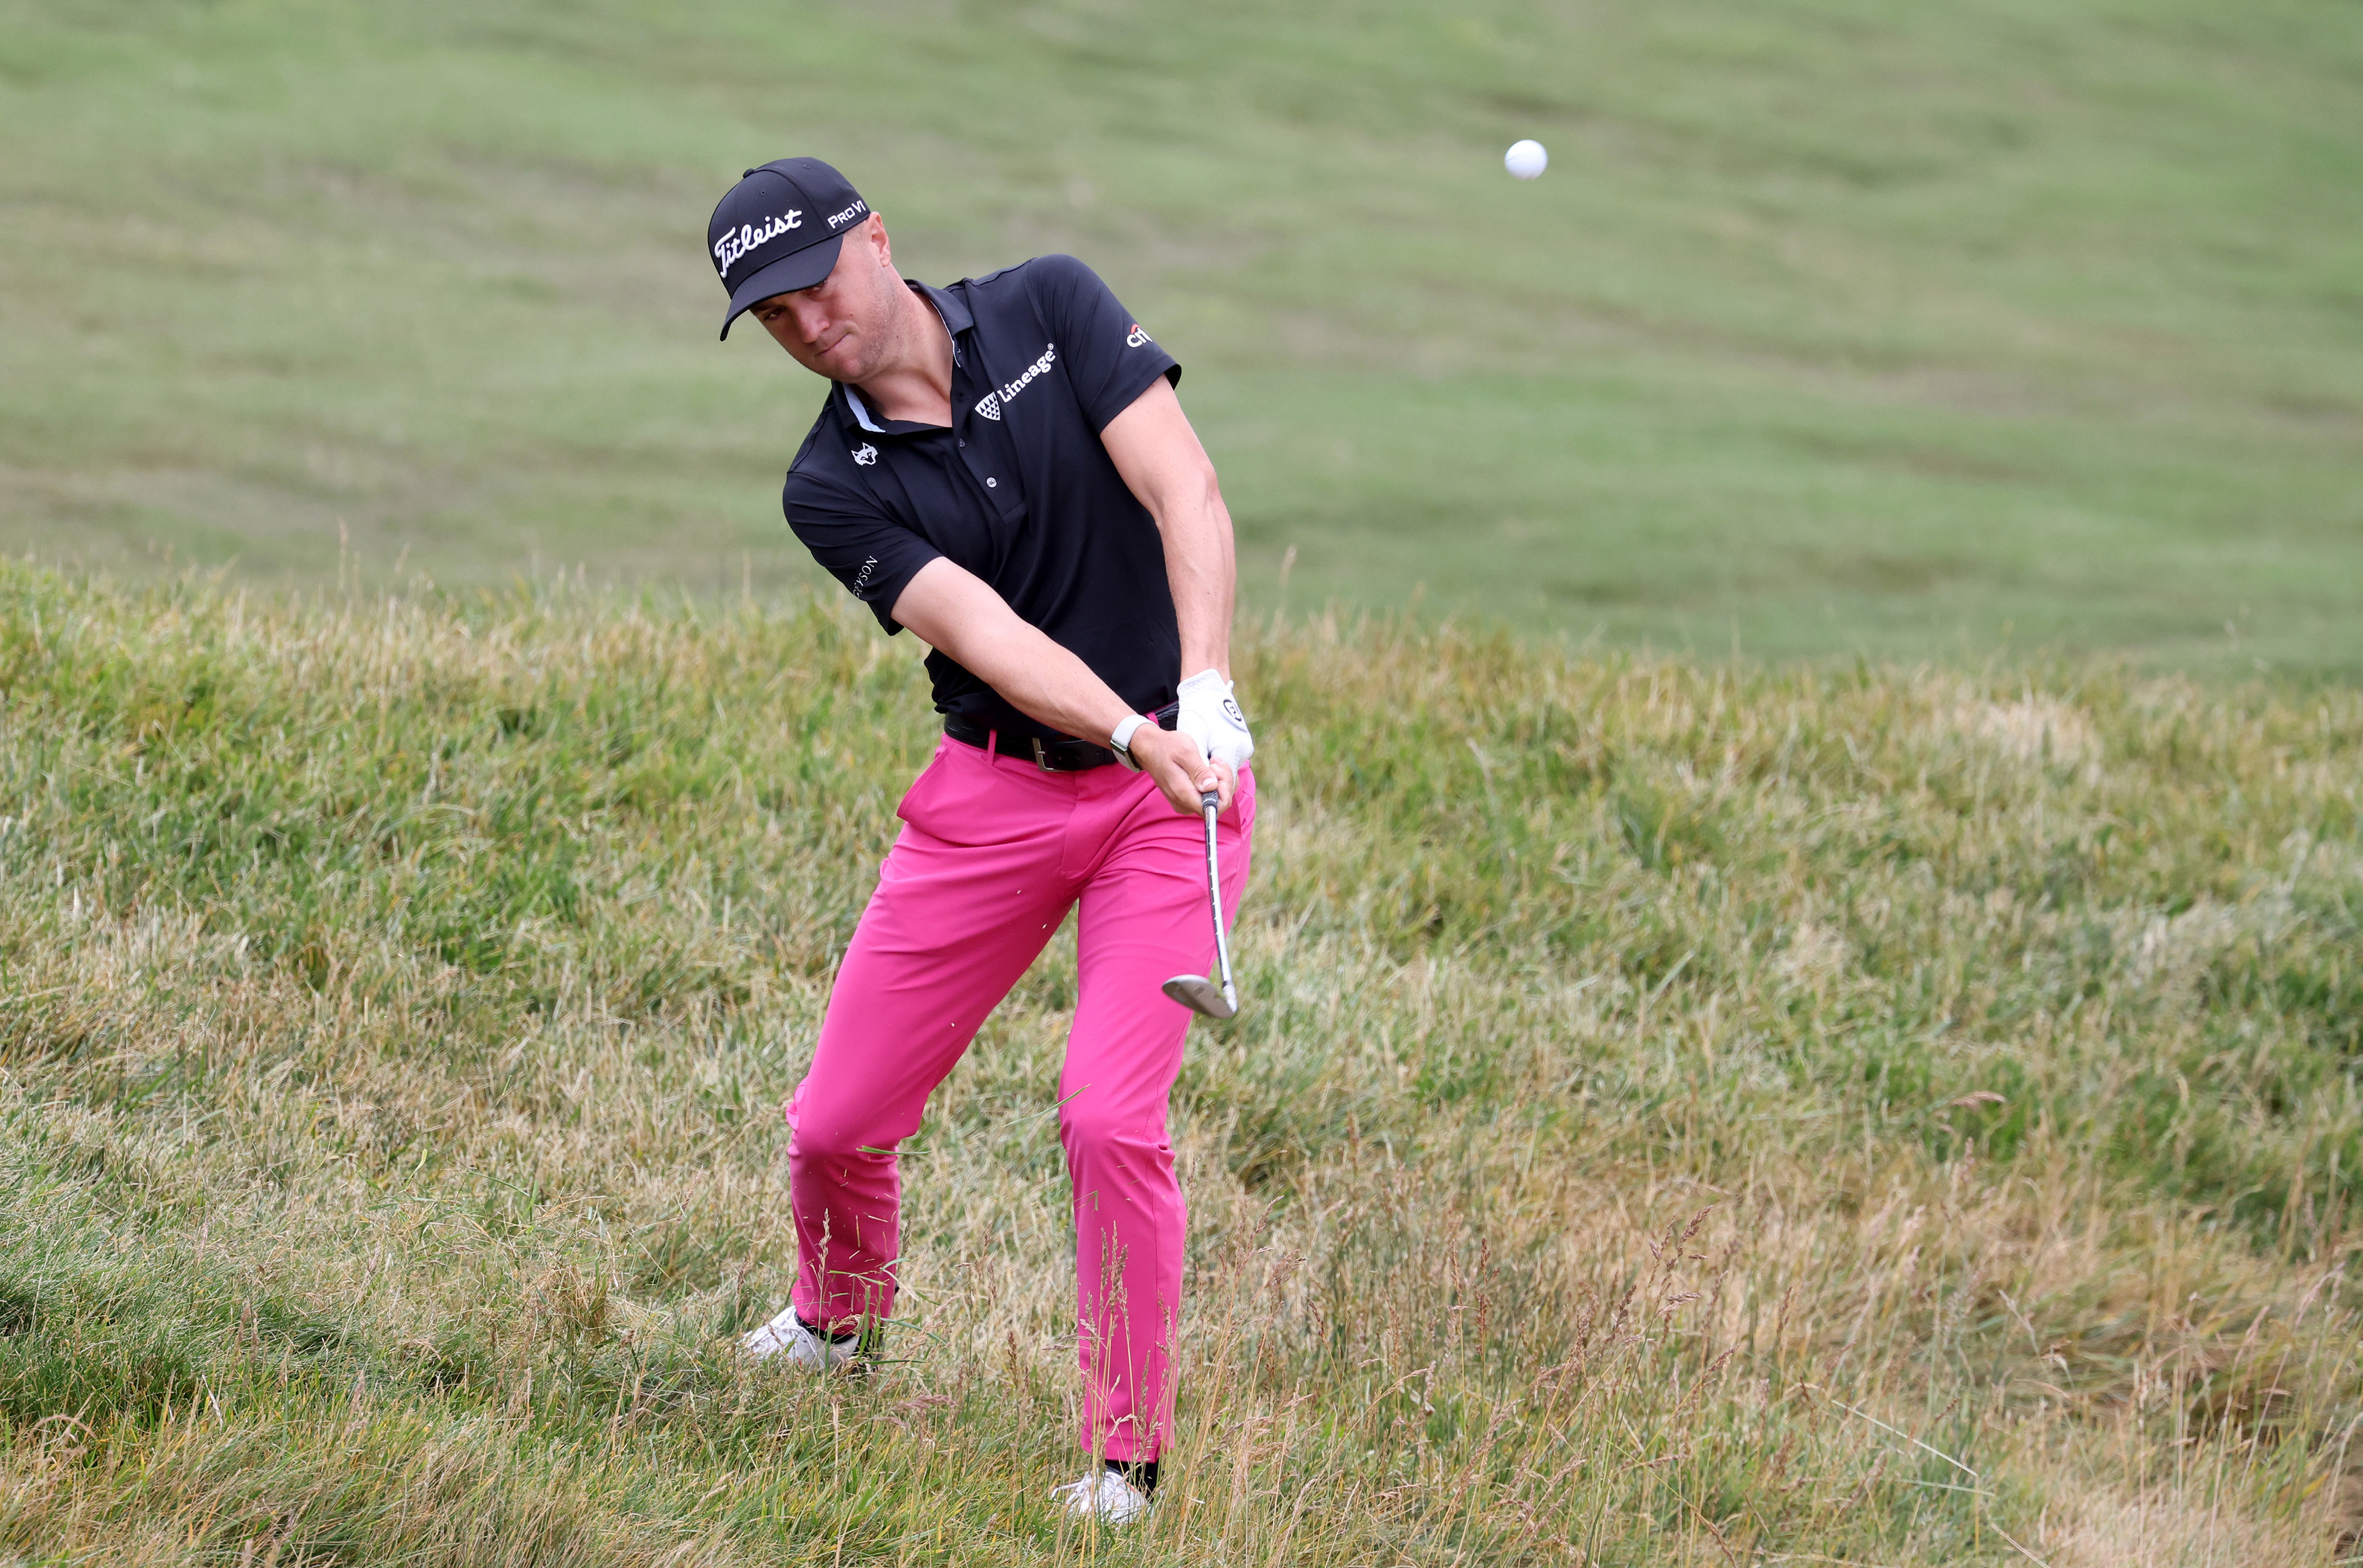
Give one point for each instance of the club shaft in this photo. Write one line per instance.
(1215, 898)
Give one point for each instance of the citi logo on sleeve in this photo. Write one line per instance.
(732, 248)
(865, 454)
(989, 403)
(1136, 336)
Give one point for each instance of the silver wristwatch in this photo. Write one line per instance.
(1121, 741)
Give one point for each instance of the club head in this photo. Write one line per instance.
(1201, 995)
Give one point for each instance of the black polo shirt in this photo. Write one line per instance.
(1020, 490)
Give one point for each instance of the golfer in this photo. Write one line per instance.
(1001, 466)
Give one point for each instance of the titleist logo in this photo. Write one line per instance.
(732, 248)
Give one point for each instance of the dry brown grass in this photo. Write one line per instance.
(1681, 1115)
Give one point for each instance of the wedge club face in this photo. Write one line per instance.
(1196, 991)
(1201, 995)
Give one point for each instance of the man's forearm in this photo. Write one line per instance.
(953, 610)
(1201, 566)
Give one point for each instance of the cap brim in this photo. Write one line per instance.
(786, 275)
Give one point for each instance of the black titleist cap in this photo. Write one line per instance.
(780, 229)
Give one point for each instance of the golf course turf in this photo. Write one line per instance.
(1674, 1115)
(1801, 991)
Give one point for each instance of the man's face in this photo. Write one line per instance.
(840, 327)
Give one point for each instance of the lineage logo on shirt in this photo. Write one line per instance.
(989, 403)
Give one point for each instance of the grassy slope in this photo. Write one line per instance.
(1837, 324)
(1665, 1098)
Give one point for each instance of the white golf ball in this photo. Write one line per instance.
(1525, 159)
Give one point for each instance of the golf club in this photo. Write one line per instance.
(1196, 991)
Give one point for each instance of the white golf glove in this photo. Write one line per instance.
(1211, 716)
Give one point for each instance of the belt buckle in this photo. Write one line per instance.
(1041, 760)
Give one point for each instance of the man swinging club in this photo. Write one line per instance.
(1002, 467)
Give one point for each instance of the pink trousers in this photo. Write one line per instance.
(993, 852)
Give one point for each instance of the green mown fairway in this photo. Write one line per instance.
(1836, 325)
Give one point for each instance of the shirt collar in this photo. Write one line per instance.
(957, 318)
(859, 410)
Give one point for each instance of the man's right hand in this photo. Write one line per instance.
(1181, 770)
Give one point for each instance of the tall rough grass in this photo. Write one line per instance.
(1680, 1115)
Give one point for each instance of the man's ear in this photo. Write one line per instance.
(877, 236)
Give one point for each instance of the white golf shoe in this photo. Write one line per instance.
(1104, 1496)
(805, 1350)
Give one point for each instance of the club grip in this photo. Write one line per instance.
(1209, 801)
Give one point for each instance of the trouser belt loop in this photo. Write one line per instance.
(992, 744)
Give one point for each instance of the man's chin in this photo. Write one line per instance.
(844, 362)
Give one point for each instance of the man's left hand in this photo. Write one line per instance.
(1209, 711)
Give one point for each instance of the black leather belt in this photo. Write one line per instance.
(1050, 756)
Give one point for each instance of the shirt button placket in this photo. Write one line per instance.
(974, 458)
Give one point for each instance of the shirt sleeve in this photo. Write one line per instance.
(1110, 358)
(874, 556)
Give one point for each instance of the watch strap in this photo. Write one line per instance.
(1121, 740)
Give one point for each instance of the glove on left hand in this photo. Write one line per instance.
(1211, 716)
